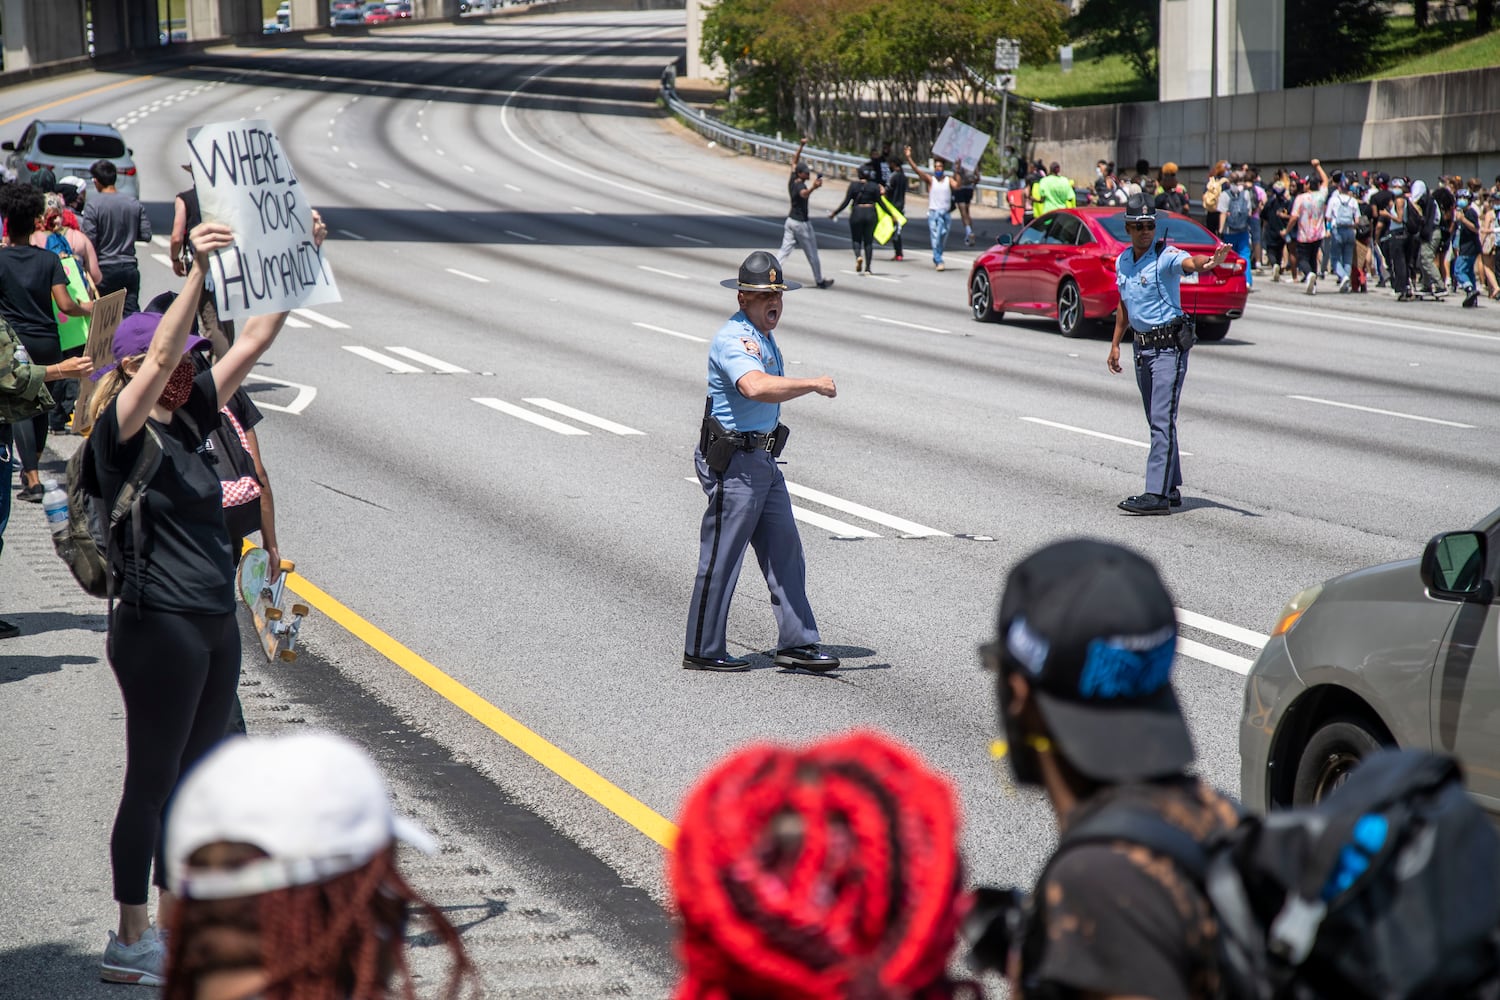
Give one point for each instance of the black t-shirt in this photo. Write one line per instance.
(188, 567)
(895, 188)
(1120, 920)
(27, 276)
(1468, 239)
(798, 189)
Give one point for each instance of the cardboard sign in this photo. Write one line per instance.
(960, 143)
(106, 317)
(245, 180)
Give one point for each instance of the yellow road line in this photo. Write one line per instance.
(549, 755)
(64, 100)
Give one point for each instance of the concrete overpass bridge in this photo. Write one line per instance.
(42, 32)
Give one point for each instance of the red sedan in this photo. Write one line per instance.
(1062, 266)
(376, 13)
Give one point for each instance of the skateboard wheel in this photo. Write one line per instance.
(288, 656)
(273, 614)
(287, 566)
(300, 610)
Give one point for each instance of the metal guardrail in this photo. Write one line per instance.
(765, 147)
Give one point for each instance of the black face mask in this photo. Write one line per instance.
(1025, 769)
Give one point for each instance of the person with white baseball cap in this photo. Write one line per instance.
(282, 853)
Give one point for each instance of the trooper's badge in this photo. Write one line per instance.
(774, 277)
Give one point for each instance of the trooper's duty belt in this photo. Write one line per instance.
(1173, 334)
(718, 443)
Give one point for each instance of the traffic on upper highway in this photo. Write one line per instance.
(388, 420)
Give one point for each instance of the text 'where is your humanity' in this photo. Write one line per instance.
(245, 180)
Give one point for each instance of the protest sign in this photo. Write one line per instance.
(106, 317)
(245, 180)
(960, 143)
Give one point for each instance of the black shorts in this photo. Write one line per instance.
(963, 196)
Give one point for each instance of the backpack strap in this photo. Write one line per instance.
(1143, 828)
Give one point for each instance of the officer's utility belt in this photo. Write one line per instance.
(1180, 333)
(718, 444)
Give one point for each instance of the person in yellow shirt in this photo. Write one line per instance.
(1056, 190)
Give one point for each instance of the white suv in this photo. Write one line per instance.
(69, 149)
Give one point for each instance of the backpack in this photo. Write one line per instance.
(1173, 200)
(1238, 218)
(1345, 210)
(1383, 891)
(1211, 192)
(90, 545)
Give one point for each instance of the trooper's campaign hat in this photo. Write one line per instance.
(761, 272)
(1139, 208)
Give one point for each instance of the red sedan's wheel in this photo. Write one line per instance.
(1070, 318)
(1212, 331)
(982, 298)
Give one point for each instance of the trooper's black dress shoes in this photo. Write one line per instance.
(723, 664)
(808, 657)
(1146, 503)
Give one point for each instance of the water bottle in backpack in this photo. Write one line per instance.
(55, 506)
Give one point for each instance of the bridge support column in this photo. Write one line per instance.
(124, 26)
(42, 31)
(309, 14)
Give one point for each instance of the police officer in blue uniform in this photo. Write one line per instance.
(1149, 275)
(748, 503)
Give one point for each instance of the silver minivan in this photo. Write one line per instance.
(69, 149)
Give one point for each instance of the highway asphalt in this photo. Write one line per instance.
(514, 221)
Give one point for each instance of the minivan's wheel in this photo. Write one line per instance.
(1330, 756)
(1070, 309)
(982, 298)
(1212, 331)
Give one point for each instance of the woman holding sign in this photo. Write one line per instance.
(174, 643)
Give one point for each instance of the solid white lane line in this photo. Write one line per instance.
(672, 333)
(913, 326)
(352, 236)
(1215, 657)
(436, 208)
(690, 239)
(428, 360)
(466, 274)
(842, 528)
(1193, 619)
(513, 187)
(384, 185)
(297, 324)
(1364, 321)
(585, 211)
(353, 165)
(582, 417)
(468, 168)
(321, 320)
(901, 524)
(1097, 434)
(657, 270)
(162, 242)
(162, 259)
(556, 426)
(398, 367)
(520, 236)
(894, 281)
(1383, 413)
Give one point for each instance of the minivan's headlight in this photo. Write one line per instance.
(1295, 609)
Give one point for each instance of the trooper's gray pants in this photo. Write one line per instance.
(1159, 371)
(800, 234)
(747, 505)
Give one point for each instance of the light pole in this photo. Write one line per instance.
(1213, 88)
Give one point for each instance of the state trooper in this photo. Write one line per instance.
(748, 503)
(1148, 275)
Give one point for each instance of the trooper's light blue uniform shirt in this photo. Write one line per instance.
(739, 348)
(1149, 287)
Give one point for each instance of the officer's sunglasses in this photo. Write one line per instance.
(1145, 226)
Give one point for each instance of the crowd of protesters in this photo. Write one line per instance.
(1364, 229)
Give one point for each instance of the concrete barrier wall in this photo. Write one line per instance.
(1421, 126)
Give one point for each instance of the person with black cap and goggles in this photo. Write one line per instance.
(748, 503)
(1151, 307)
(1083, 662)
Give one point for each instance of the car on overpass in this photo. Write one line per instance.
(1405, 654)
(376, 13)
(68, 149)
(1062, 266)
(347, 18)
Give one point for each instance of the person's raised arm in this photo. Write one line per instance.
(1322, 174)
(922, 174)
(147, 382)
(179, 236)
(763, 387)
(1200, 263)
(797, 156)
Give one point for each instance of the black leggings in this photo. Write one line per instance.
(862, 219)
(178, 674)
(30, 439)
(1395, 259)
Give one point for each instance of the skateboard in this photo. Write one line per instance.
(275, 624)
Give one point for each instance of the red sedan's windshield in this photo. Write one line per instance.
(1174, 228)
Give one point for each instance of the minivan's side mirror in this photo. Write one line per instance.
(1006, 239)
(8, 145)
(1454, 564)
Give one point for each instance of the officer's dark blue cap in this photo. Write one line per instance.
(761, 272)
(1139, 208)
(1092, 629)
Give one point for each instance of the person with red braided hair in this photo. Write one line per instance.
(825, 873)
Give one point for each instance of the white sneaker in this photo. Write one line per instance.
(859, 265)
(1276, 273)
(141, 964)
(1312, 284)
(938, 266)
(1344, 285)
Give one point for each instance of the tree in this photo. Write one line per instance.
(1484, 16)
(1330, 39)
(1128, 28)
(1419, 13)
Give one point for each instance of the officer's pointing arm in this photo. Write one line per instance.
(1200, 263)
(762, 387)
